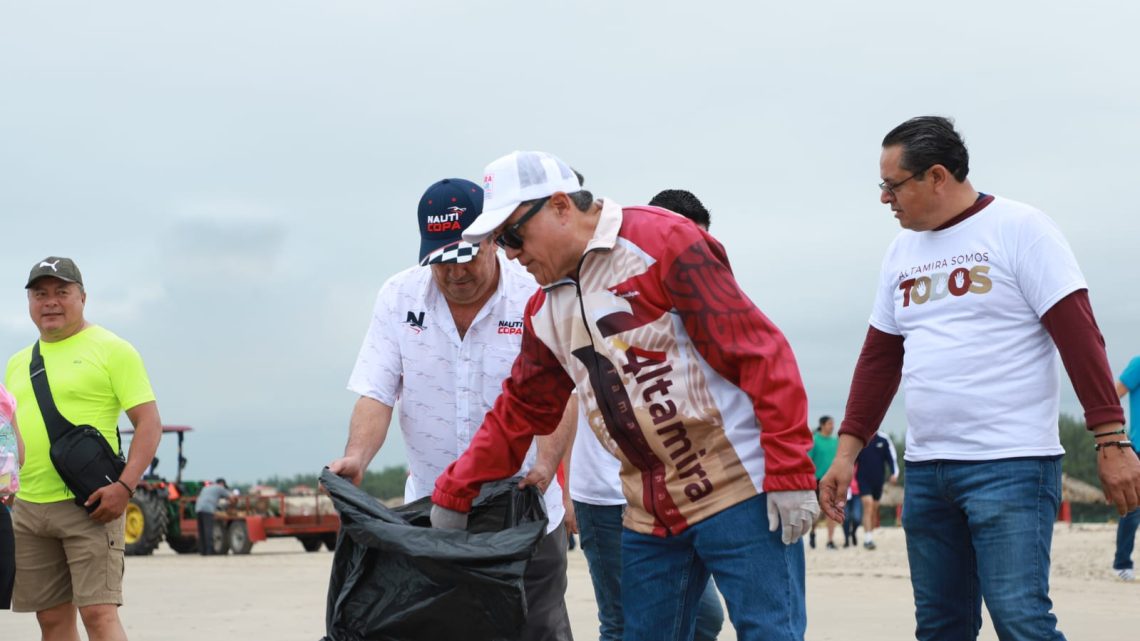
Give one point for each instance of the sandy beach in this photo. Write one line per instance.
(278, 593)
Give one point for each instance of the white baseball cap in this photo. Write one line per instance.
(516, 178)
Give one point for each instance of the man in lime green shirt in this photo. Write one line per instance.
(69, 561)
(824, 445)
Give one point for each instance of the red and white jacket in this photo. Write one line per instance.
(687, 383)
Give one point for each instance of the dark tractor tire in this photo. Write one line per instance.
(145, 522)
(183, 544)
(221, 541)
(329, 540)
(310, 543)
(237, 537)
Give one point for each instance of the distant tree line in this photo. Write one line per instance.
(386, 484)
(1080, 455)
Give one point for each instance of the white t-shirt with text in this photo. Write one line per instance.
(981, 374)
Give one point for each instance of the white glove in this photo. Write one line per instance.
(443, 518)
(796, 509)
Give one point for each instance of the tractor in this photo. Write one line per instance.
(153, 512)
(165, 509)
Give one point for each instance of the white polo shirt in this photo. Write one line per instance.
(444, 385)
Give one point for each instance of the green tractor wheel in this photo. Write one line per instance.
(145, 522)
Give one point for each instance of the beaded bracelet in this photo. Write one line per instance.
(1121, 444)
(1119, 431)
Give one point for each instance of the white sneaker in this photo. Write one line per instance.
(1127, 574)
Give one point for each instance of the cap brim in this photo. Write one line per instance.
(455, 252)
(488, 222)
(32, 281)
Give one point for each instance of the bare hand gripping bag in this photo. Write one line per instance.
(394, 578)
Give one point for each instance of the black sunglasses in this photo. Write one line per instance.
(509, 238)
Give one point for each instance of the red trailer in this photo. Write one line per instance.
(248, 519)
(165, 509)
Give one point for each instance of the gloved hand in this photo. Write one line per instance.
(796, 509)
(443, 518)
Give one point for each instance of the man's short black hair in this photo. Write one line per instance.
(685, 203)
(221, 482)
(927, 141)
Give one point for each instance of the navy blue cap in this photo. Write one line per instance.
(446, 209)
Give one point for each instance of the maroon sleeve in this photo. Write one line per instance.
(532, 402)
(874, 383)
(746, 348)
(1074, 330)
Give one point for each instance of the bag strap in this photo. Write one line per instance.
(57, 425)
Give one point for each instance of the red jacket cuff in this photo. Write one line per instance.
(786, 482)
(442, 499)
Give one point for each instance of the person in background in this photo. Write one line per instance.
(686, 203)
(205, 507)
(1129, 384)
(870, 465)
(824, 442)
(852, 515)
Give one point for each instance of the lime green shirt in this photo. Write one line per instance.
(94, 376)
(823, 452)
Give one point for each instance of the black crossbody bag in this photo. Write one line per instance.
(84, 459)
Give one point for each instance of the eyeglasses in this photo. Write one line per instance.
(509, 238)
(890, 189)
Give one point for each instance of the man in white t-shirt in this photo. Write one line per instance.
(976, 297)
(443, 336)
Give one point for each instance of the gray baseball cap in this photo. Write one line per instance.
(56, 267)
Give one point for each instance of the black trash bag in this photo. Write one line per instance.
(396, 579)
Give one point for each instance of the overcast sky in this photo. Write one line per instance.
(237, 179)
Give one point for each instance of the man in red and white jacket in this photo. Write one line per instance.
(697, 392)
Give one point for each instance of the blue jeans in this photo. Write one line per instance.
(979, 530)
(762, 579)
(599, 527)
(1126, 539)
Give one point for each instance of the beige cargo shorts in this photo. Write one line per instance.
(63, 556)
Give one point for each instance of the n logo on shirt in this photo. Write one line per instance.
(415, 322)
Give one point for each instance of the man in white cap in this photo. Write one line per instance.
(682, 378)
(443, 337)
